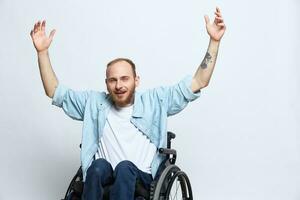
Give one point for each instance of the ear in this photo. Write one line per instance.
(137, 81)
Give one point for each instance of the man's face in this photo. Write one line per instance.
(121, 83)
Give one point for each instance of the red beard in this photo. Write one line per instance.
(123, 97)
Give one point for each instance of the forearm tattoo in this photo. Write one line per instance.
(206, 60)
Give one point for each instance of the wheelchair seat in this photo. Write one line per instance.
(169, 182)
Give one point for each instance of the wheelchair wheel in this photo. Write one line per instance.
(179, 187)
(173, 184)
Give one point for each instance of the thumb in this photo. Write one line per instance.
(52, 34)
(206, 19)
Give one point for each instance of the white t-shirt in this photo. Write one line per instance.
(121, 140)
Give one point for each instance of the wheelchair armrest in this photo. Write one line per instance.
(167, 151)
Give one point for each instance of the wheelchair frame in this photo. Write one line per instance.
(168, 173)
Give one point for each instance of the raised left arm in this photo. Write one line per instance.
(204, 72)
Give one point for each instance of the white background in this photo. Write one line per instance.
(239, 141)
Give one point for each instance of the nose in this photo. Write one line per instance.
(118, 85)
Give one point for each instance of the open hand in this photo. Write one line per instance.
(217, 28)
(40, 40)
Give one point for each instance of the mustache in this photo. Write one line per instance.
(120, 91)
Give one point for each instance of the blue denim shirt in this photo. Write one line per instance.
(150, 111)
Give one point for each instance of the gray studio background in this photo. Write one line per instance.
(239, 141)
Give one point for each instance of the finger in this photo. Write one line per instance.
(43, 25)
(206, 19)
(218, 14)
(39, 25)
(219, 19)
(52, 34)
(221, 24)
(35, 28)
(218, 10)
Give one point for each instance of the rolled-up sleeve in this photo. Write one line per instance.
(72, 102)
(59, 94)
(180, 95)
(185, 87)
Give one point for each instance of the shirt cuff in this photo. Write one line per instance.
(59, 94)
(185, 86)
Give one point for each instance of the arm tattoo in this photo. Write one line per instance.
(206, 60)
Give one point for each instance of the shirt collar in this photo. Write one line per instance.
(138, 109)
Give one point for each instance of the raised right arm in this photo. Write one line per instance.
(41, 43)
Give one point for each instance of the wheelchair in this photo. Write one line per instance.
(169, 182)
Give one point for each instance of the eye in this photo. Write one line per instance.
(125, 78)
(111, 80)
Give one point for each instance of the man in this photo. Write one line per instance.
(123, 129)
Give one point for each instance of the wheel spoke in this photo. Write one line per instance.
(176, 190)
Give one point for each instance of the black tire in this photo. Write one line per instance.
(179, 179)
(162, 183)
(170, 177)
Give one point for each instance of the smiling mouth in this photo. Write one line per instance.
(120, 93)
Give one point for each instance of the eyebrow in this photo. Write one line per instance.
(117, 78)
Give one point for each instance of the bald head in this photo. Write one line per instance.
(122, 62)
